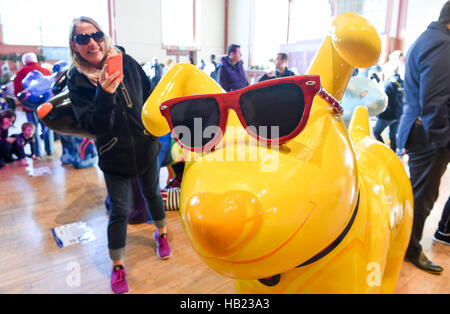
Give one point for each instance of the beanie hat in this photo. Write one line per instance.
(444, 18)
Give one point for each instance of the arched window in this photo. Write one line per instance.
(180, 21)
(270, 30)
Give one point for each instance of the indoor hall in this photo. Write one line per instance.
(49, 194)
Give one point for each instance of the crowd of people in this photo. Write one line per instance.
(104, 103)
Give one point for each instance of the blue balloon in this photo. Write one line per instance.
(59, 66)
(38, 89)
(31, 78)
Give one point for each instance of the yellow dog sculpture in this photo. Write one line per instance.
(330, 211)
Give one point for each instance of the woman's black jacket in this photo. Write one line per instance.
(125, 147)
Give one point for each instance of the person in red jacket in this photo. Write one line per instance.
(31, 63)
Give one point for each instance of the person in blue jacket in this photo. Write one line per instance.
(390, 117)
(424, 129)
(231, 72)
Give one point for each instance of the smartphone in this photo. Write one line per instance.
(115, 64)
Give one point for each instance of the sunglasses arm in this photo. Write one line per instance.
(331, 101)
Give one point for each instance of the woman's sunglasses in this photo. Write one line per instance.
(272, 112)
(83, 39)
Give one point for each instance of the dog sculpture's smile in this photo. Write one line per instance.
(332, 201)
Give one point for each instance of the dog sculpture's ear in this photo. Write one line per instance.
(182, 80)
(350, 30)
(353, 42)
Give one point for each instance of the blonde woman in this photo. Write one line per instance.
(111, 110)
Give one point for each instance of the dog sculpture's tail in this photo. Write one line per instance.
(392, 190)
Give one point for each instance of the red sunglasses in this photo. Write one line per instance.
(272, 112)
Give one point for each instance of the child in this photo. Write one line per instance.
(22, 139)
(7, 118)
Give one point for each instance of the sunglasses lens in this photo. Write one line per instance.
(82, 39)
(274, 111)
(196, 122)
(98, 36)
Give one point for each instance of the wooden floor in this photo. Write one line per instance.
(31, 262)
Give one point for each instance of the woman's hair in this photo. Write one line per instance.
(8, 113)
(76, 58)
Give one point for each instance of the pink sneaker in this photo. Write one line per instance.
(119, 283)
(162, 245)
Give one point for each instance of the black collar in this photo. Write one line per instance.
(336, 242)
(272, 281)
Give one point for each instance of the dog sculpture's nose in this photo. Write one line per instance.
(221, 224)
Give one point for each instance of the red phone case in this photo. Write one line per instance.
(115, 65)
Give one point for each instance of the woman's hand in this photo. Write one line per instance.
(109, 83)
